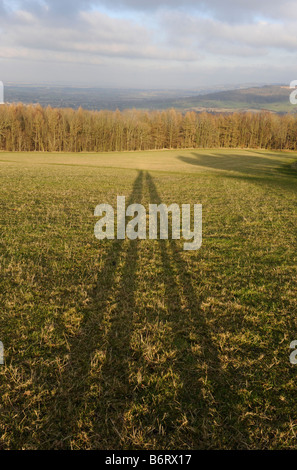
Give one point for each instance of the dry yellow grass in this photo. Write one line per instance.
(138, 344)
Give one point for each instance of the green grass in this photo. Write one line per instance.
(138, 344)
(277, 107)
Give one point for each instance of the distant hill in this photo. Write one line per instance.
(274, 98)
(271, 98)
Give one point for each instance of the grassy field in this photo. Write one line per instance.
(139, 344)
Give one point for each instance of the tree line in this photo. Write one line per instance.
(34, 128)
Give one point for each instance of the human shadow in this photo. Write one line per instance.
(95, 388)
(202, 405)
(95, 379)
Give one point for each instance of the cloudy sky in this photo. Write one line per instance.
(148, 43)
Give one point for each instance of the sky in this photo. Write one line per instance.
(162, 44)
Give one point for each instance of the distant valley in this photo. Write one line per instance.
(274, 98)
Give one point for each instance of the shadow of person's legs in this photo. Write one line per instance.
(94, 386)
(205, 396)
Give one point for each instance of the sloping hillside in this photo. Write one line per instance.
(272, 98)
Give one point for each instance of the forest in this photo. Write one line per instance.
(35, 128)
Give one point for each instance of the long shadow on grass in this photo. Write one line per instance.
(251, 165)
(94, 388)
(257, 169)
(207, 399)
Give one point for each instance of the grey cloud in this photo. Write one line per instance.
(231, 11)
(228, 10)
(92, 34)
(171, 38)
(218, 37)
